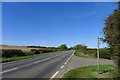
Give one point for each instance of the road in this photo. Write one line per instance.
(46, 66)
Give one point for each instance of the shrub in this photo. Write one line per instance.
(12, 53)
(104, 53)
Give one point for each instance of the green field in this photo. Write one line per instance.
(106, 71)
(81, 55)
(24, 57)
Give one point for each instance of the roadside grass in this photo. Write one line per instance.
(81, 55)
(106, 71)
(3, 60)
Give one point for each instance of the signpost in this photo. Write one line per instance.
(98, 54)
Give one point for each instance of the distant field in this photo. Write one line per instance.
(16, 51)
(23, 48)
(12, 53)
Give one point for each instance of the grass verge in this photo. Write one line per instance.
(3, 60)
(81, 55)
(106, 71)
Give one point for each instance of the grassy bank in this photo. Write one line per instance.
(24, 57)
(106, 71)
(81, 55)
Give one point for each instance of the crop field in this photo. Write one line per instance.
(15, 51)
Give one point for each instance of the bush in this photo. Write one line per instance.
(12, 53)
(104, 53)
(7, 53)
(91, 52)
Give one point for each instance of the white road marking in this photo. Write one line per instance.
(41, 60)
(55, 74)
(62, 66)
(24, 59)
(66, 63)
(36, 62)
(70, 57)
(45, 59)
(10, 70)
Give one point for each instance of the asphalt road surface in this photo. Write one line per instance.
(46, 66)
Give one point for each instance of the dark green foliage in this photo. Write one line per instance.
(80, 48)
(112, 34)
(104, 53)
(91, 52)
(22, 57)
(12, 53)
(71, 48)
(63, 47)
(16, 53)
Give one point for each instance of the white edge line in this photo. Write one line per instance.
(10, 70)
(62, 66)
(66, 63)
(70, 57)
(64, 73)
(55, 74)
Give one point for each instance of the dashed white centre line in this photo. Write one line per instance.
(36, 62)
(10, 70)
(46, 59)
(42, 60)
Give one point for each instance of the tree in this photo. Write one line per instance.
(81, 48)
(63, 47)
(112, 34)
(71, 48)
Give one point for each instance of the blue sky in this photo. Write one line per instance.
(52, 24)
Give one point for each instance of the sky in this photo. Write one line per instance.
(54, 23)
(60, 0)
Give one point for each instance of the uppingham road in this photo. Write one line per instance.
(46, 66)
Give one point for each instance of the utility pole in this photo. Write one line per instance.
(98, 56)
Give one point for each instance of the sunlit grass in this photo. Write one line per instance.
(106, 71)
(81, 55)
